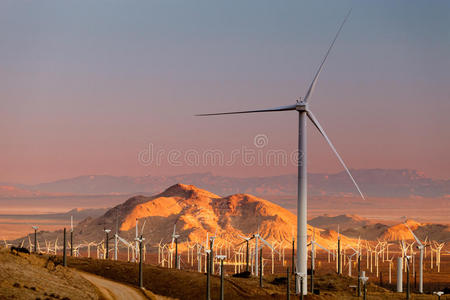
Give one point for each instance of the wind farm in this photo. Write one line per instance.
(146, 155)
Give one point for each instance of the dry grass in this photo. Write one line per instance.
(27, 276)
(183, 284)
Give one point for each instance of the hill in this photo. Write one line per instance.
(343, 221)
(437, 232)
(196, 213)
(31, 277)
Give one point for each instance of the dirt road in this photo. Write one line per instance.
(112, 290)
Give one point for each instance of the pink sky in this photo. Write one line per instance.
(83, 91)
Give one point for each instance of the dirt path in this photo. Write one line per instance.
(112, 290)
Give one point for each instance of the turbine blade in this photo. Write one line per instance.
(173, 235)
(241, 243)
(281, 108)
(242, 237)
(317, 124)
(323, 248)
(142, 228)
(313, 83)
(353, 249)
(268, 244)
(418, 242)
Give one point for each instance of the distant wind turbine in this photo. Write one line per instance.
(304, 113)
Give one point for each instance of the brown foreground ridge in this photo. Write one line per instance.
(29, 276)
(183, 284)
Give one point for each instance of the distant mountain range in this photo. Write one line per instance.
(76, 213)
(355, 226)
(385, 183)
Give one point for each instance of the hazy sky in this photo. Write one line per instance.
(85, 86)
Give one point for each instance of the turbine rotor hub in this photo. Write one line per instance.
(301, 106)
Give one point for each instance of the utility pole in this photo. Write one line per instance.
(247, 258)
(35, 238)
(339, 255)
(208, 274)
(71, 235)
(141, 275)
(107, 231)
(293, 256)
(312, 266)
(288, 288)
(364, 280)
(222, 272)
(177, 263)
(116, 235)
(407, 278)
(359, 274)
(64, 249)
(260, 268)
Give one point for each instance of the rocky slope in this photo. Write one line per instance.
(196, 213)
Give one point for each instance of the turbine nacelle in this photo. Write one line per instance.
(301, 106)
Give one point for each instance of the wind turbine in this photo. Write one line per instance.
(136, 248)
(421, 247)
(304, 113)
(246, 240)
(313, 243)
(175, 238)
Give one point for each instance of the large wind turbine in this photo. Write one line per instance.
(303, 114)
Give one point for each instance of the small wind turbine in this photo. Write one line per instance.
(175, 238)
(258, 237)
(246, 240)
(349, 261)
(421, 247)
(313, 256)
(304, 113)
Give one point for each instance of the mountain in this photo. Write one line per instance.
(77, 214)
(344, 222)
(374, 183)
(354, 226)
(11, 191)
(196, 213)
(436, 232)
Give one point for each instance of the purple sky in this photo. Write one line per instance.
(86, 87)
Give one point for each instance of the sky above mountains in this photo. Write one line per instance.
(95, 88)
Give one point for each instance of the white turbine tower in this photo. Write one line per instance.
(421, 247)
(304, 113)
